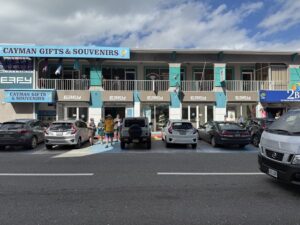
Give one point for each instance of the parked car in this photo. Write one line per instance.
(135, 130)
(279, 154)
(21, 132)
(224, 133)
(256, 128)
(180, 132)
(66, 132)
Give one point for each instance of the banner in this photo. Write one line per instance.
(16, 80)
(64, 51)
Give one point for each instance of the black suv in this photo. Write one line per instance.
(135, 130)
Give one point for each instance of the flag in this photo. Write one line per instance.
(59, 68)
(76, 65)
(45, 67)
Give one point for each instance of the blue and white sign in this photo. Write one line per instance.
(64, 51)
(279, 96)
(16, 80)
(29, 96)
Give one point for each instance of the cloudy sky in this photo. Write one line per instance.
(202, 24)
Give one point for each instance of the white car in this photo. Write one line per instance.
(279, 154)
(180, 132)
(67, 132)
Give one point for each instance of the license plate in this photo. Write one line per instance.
(135, 141)
(237, 135)
(59, 134)
(182, 133)
(272, 173)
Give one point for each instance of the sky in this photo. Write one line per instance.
(181, 24)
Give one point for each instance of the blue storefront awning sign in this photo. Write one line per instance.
(29, 96)
(279, 96)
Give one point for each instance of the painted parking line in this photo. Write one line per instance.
(207, 174)
(45, 174)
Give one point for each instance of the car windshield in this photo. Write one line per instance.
(182, 126)
(12, 126)
(61, 126)
(287, 124)
(129, 122)
(229, 126)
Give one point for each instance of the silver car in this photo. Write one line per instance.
(68, 132)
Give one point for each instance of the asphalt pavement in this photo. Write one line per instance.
(180, 185)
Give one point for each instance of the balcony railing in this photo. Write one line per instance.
(64, 84)
(200, 85)
(247, 85)
(140, 85)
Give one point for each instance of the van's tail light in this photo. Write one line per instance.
(73, 130)
(264, 126)
(170, 130)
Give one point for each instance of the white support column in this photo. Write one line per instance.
(197, 116)
(189, 113)
(241, 110)
(65, 113)
(137, 109)
(205, 113)
(77, 114)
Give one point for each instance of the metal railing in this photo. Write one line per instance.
(140, 85)
(247, 85)
(197, 85)
(64, 84)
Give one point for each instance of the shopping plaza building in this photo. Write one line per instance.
(80, 82)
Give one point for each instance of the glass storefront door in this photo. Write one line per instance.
(76, 113)
(197, 113)
(158, 114)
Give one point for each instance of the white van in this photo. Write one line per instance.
(279, 154)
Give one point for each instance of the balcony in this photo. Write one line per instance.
(139, 85)
(200, 85)
(247, 85)
(64, 84)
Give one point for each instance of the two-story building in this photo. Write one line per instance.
(63, 82)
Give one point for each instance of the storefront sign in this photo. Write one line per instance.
(16, 80)
(34, 96)
(198, 97)
(73, 96)
(64, 51)
(279, 96)
(117, 96)
(242, 96)
(150, 96)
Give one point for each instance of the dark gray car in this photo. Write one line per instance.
(21, 132)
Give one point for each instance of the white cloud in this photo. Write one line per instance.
(132, 23)
(283, 19)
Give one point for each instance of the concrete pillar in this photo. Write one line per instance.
(137, 104)
(175, 110)
(219, 89)
(294, 77)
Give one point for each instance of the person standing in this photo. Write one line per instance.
(100, 128)
(109, 129)
(92, 131)
(117, 125)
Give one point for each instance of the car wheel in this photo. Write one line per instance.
(122, 145)
(213, 142)
(2, 147)
(167, 145)
(255, 140)
(78, 145)
(194, 146)
(49, 147)
(148, 144)
(33, 143)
